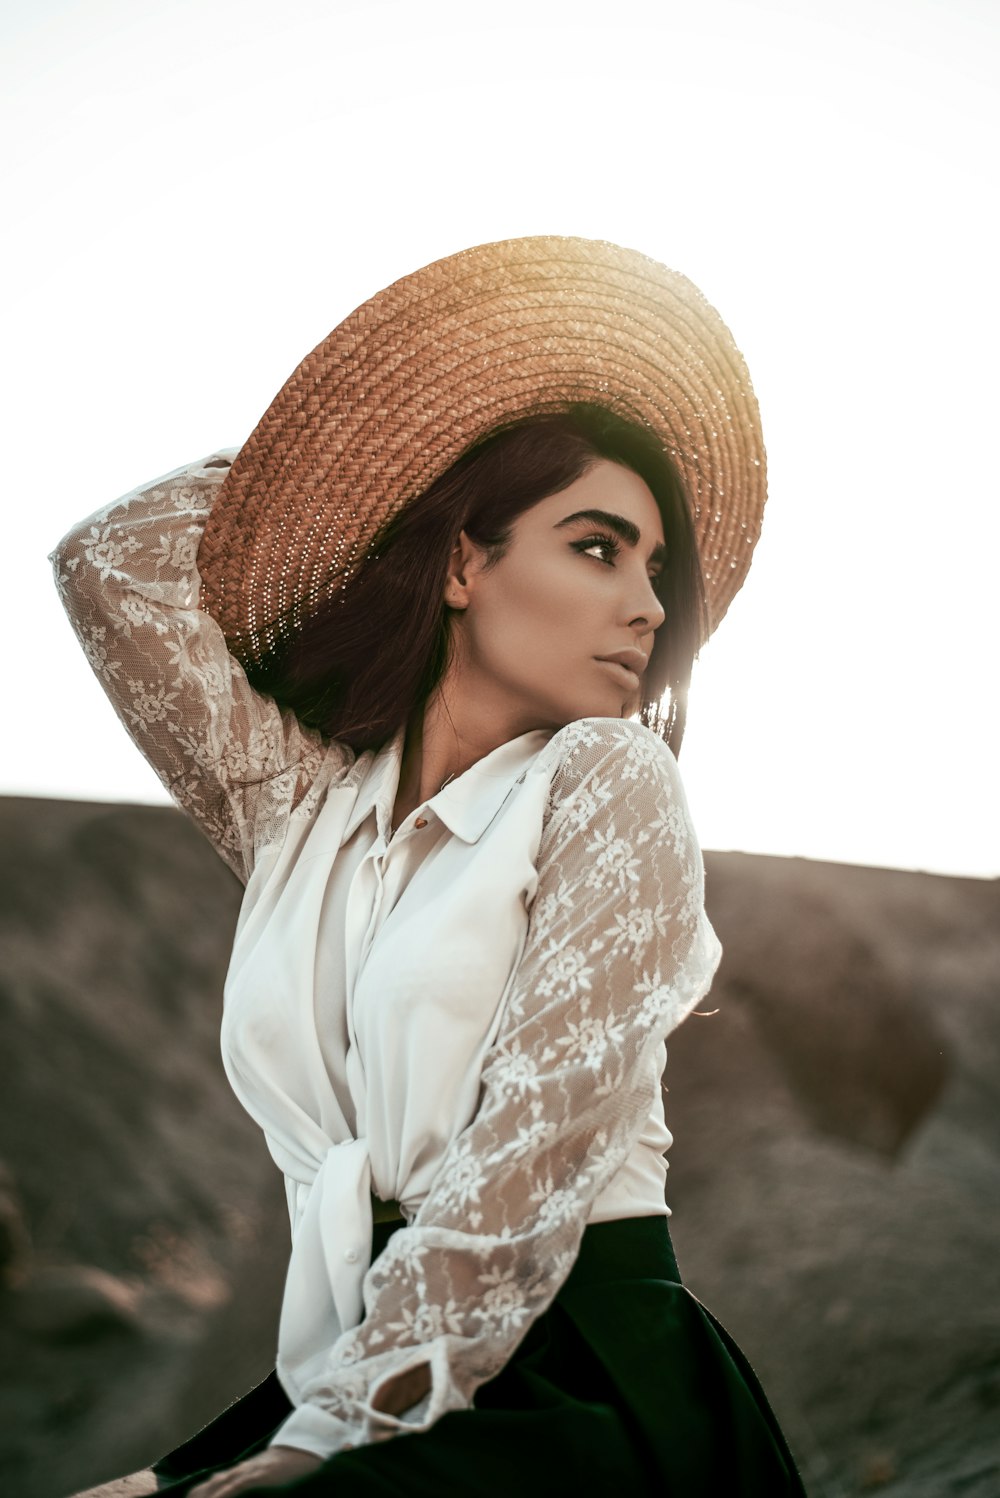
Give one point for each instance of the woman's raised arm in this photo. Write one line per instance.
(618, 952)
(229, 756)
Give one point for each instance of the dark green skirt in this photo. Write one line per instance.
(627, 1382)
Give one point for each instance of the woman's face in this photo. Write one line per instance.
(570, 590)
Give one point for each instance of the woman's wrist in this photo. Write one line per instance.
(315, 1431)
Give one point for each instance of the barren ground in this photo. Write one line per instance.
(834, 1179)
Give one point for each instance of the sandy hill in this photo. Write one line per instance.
(834, 1180)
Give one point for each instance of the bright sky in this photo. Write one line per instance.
(197, 191)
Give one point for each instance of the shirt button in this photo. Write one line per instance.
(420, 822)
(351, 1256)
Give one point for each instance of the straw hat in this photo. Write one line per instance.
(429, 366)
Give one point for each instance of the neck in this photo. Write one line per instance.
(445, 739)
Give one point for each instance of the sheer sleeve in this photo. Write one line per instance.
(618, 951)
(128, 579)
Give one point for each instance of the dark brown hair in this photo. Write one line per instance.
(370, 657)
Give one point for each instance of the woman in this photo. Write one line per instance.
(389, 656)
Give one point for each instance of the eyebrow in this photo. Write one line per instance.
(622, 527)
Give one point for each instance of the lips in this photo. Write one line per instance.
(624, 673)
(631, 658)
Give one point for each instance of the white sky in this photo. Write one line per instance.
(199, 190)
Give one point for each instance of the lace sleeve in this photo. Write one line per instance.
(128, 579)
(618, 951)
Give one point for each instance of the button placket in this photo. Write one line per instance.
(361, 893)
(369, 935)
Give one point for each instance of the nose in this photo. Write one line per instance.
(649, 609)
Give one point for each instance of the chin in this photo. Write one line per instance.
(613, 709)
(605, 706)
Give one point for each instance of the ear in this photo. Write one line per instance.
(463, 567)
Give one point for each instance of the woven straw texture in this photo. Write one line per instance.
(435, 362)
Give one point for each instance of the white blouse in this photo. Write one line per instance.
(467, 1016)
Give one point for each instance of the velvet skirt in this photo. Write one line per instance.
(626, 1383)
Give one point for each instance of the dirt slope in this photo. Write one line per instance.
(835, 1176)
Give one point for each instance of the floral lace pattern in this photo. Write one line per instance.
(618, 952)
(128, 580)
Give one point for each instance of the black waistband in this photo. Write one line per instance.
(627, 1248)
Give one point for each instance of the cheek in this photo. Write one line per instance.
(531, 613)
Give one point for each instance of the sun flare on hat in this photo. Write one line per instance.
(432, 364)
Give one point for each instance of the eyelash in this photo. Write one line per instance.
(615, 547)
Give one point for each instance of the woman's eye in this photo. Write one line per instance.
(612, 545)
(609, 543)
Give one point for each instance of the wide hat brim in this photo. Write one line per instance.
(427, 367)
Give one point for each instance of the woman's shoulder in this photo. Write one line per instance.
(595, 763)
(621, 745)
(614, 791)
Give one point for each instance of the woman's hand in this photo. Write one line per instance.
(269, 1468)
(136, 1485)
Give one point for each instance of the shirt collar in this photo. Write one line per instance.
(467, 805)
